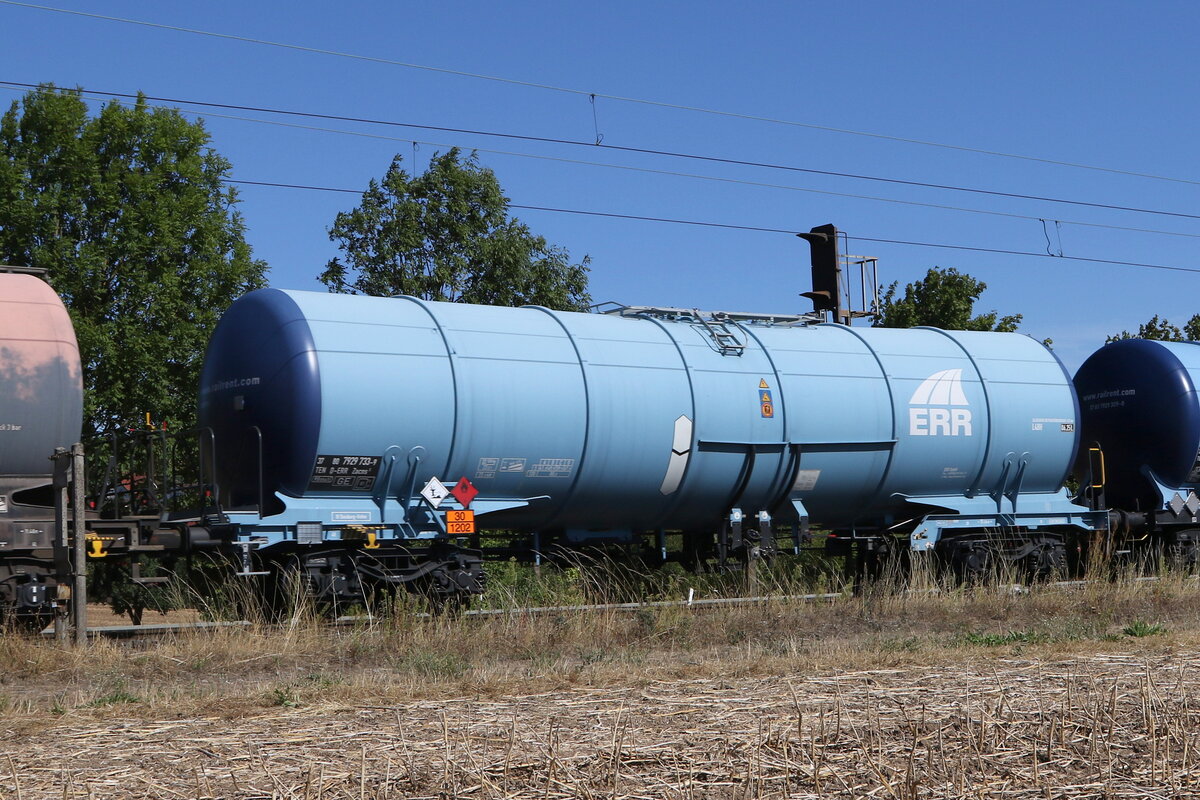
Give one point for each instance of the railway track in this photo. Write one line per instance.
(150, 631)
(166, 629)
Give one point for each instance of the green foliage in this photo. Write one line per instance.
(285, 696)
(907, 644)
(944, 298)
(115, 697)
(214, 591)
(323, 680)
(511, 584)
(129, 213)
(1163, 331)
(1140, 628)
(446, 235)
(434, 664)
(1003, 639)
(110, 581)
(619, 577)
(309, 688)
(113, 691)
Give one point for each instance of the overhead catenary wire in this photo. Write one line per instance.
(629, 149)
(680, 221)
(593, 95)
(637, 217)
(871, 198)
(677, 174)
(1001, 251)
(757, 229)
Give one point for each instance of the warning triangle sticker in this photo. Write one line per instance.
(762, 384)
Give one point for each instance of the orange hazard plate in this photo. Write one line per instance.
(460, 522)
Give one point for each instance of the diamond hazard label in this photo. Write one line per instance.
(435, 492)
(464, 492)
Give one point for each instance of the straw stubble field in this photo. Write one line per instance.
(1068, 694)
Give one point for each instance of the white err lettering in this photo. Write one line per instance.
(939, 422)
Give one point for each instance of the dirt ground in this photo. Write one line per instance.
(102, 616)
(1102, 725)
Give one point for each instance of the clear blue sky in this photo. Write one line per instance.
(1105, 84)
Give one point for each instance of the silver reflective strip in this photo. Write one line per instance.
(681, 450)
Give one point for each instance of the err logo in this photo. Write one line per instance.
(939, 407)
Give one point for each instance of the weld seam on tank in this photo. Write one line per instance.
(681, 489)
(886, 472)
(777, 495)
(312, 353)
(587, 418)
(974, 489)
(1075, 401)
(450, 360)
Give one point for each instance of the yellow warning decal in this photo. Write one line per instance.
(762, 384)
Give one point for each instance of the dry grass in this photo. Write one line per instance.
(983, 693)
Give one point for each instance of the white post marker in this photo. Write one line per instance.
(435, 492)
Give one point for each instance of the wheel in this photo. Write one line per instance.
(970, 561)
(1048, 560)
(1182, 550)
(25, 604)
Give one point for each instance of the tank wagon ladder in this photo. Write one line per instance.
(726, 341)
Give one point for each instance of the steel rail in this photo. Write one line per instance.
(165, 629)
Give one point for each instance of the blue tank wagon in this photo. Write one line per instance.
(327, 414)
(1140, 427)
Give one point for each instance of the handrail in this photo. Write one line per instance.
(212, 444)
(261, 497)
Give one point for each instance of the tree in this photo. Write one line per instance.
(129, 212)
(446, 235)
(1162, 330)
(944, 298)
